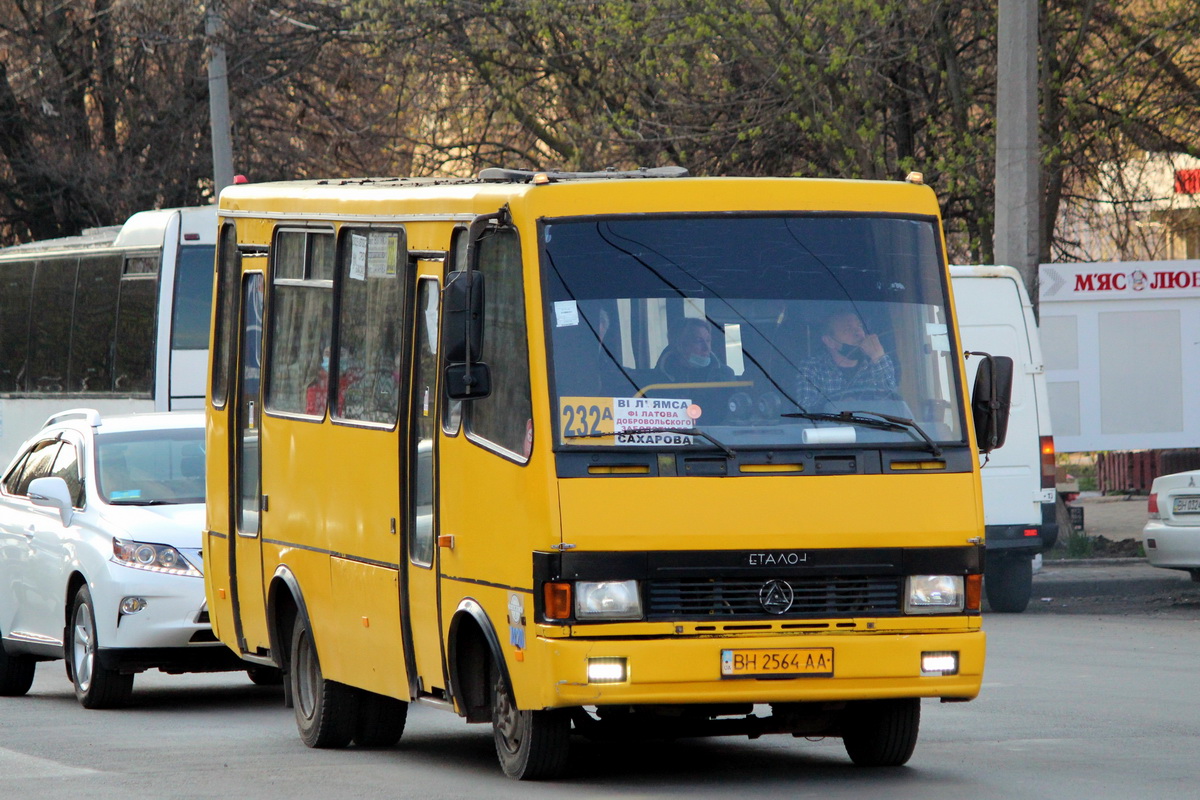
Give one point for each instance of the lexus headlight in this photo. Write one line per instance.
(933, 594)
(152, 557)
(607, 600)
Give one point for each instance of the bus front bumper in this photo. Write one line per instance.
(676, 670)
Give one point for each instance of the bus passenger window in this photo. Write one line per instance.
(301, 324)
(370, 318)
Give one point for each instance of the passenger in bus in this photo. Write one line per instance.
(853, 366)
(317, 393)
(689, 358)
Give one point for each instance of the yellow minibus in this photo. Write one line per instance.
(597, 456)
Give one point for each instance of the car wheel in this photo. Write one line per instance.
(326, 711)
(531, 745)
(95, 685)
(380, 720)
(882, 733)
(264, 676)
(16, 674)
(1008, 583)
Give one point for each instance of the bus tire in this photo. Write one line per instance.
(260, 675)
(96, 686)
(326, 711)
(1008, 583)
(16, 674)
(882, 733)
(380, 721)
(531, 745)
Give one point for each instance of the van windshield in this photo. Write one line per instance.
(754, 331)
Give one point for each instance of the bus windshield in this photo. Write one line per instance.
(751, 331)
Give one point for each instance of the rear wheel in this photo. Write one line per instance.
(264, 676)
(96, 686)
(531, 745)
(882, 733)
(16, 674)
(380, 721)
(325, 710)
(1008, 583)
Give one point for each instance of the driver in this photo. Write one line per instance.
(853, 366)
(690, 357)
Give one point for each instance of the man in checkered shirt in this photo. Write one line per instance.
(852, 367)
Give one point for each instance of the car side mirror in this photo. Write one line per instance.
(52, 492)
(991, 400)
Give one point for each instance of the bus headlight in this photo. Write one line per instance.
(607, 600)
(933, 594)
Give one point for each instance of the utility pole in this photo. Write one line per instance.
(218, 98)
(1018, 192)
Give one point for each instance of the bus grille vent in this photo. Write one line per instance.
(809, 597)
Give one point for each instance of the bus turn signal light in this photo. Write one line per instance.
(557, 597)
(974, 592)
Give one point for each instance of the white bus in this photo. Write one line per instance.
(115, 319)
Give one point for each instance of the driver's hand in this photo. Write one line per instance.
(871, 346)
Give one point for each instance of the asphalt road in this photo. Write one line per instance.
(1072, 708)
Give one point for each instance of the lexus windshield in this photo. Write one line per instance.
(751, 331)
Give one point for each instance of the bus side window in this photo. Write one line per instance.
(301, 321)
(504, 417)
(229, 267)
(370, 317)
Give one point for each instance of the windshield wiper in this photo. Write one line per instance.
(123, 502)
(885, 422)
(682, 431)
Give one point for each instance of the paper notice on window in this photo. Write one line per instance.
(358, 257)
(566, 313)
(382, 254)
(939, 338)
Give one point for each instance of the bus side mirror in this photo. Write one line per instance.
(466, 378)
(466, 381)
(991, 400)
(462, 310)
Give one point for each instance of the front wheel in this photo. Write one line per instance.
(531, 745)
(96, 686)
(326, 711)
(882, 733)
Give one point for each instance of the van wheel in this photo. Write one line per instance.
(882, 733)
(16, 674)
(95, 685)
(531, 745)
(325, 710)
(380, 720)
(1008, 583)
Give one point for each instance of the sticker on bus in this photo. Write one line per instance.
(627, 420)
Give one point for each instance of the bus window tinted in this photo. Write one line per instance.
(193, 298)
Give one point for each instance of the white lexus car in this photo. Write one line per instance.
(1171, 537)
(100, 563)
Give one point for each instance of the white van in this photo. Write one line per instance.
(995, 316)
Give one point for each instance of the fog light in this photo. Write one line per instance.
(939, 663)
(132, 605)
(607, 670)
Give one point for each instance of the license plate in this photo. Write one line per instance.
(1187, 505)
(815, 662)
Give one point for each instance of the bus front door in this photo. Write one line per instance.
(247, 580)
(423, 615)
